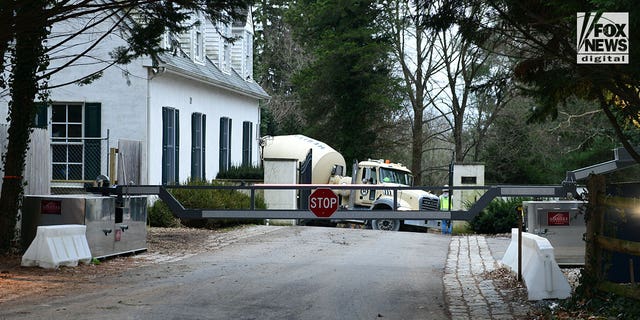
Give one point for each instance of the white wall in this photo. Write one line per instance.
(189, 96)
(122, 90)
(132, 98)
(461, 197)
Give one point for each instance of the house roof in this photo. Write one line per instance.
(211, 74)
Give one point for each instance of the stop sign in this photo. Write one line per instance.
(323, 202)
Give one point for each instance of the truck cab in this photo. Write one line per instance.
(380, 172)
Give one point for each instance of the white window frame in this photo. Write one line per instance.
(197, 39)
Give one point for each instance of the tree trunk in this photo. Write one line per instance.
(593, 253)
(416, 148)
(29, 55)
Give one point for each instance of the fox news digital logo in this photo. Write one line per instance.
(603, 38)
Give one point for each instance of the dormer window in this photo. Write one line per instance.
(197, 39)
(225, 55)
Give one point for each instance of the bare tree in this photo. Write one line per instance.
(414, 49)
(476, 86)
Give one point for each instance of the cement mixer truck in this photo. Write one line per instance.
(327, 166)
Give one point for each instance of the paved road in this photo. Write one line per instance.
(290, 273)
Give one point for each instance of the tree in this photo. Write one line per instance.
(279, 57)
(542, 38)
(517, 152)
(23, 43)
(413, 41)
(347, 90)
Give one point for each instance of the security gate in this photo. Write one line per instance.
(180, 211)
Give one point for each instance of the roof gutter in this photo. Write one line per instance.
(204, 79)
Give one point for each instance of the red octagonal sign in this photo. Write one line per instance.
(323, 202)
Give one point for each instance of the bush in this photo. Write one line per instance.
(242, 172)
(498, 217)
(159, 215)
(205, 198)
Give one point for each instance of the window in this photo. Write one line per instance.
(198, 39)
(198, 132)
(225, 54)
(248, 62)
(170, 145)
(75, 141)
(468, 180)
(225, 144)
(247, 142)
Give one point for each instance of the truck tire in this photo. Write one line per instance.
(386, 224)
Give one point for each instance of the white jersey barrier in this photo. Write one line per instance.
(540, 271)
(59, 245)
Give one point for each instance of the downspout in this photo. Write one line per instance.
(148, 123)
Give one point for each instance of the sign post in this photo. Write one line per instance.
(323, 202)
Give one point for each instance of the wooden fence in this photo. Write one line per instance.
(603, 212)
(37, 173)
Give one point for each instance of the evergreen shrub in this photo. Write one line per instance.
(498, 217)
(205, 198)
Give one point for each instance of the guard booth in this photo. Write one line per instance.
(112, 228)
(562, 223)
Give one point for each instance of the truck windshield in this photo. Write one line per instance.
(396, 176)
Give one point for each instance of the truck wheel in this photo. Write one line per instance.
(386, 224)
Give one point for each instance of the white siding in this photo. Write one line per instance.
(190, 96)
(212, 43)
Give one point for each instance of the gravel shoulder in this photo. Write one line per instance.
(28, 284)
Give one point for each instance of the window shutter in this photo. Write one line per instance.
(229, 129)
(247, 132)
(177, 150)
(194, 137)
(41, 120)
(165, 140)
(203, 162)
(92, 129)
(223, 145)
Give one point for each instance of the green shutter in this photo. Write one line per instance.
(177, 150)
(194, 137)
(165, 139)
(92, 129)
(204, 143)
(41, 119)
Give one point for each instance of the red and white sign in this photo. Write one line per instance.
(51, 207)
(323, 202)
(558, 218)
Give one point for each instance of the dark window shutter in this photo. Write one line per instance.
(247, 132)
(194, 164)
(229, 129)
(92, 129)
(41, 120)
(204, 143)
(223, 144)
(177, 151)
(165, 139)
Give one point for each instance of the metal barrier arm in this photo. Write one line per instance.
(342, 214)
(508, 191)
(176, 207)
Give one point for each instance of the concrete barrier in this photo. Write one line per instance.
(540, 271)
(59, 245)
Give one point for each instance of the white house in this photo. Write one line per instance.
(192, 113)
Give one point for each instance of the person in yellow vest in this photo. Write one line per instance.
(446, 225)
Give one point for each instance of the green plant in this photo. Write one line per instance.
(498, 217)
(201, 197)
(242, 172)
(159, 215)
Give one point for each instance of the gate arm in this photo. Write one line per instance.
(151, 190)
(508, 191)
(176, 207)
